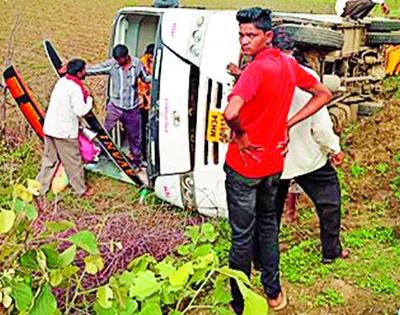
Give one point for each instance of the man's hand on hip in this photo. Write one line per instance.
(337, 159)
(246, 148)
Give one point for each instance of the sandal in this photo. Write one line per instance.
(282, 304)
(343, 255)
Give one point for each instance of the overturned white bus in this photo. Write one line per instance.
(185, 134)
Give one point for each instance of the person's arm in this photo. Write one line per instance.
(322, 131)
(79, 106)
(146, 77)
(233, 70)
(321, 96)
(101, 68)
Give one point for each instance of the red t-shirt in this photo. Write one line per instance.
(266, 85)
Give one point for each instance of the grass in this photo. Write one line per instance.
(373, 264)
(331, 298)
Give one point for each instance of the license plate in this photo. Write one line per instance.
(217, 129)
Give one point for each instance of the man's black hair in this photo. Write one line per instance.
(149, 49)
(120, 51)
(74, 66)
(261, 18)
(282, 39)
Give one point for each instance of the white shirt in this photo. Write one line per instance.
(65, 108)
(341, 4)
(310, 140)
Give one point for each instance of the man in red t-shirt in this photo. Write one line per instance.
(257, 114)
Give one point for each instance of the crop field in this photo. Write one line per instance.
(366, 283)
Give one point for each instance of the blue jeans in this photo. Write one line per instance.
(251, 205)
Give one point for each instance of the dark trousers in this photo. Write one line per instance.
(132, 122)
(322, 186)
(251, 205)
(358, 9)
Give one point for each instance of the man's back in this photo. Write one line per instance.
(65, 107)
(306, 153)
(267, 86)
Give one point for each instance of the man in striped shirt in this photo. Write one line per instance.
(123, 106)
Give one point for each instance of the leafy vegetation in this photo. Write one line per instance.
(42, 272)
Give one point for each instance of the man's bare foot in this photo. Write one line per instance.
(88, 193)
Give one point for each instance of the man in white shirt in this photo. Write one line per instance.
(69, 101)
(311, 141)
(358, 9)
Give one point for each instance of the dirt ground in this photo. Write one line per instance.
(82, 28)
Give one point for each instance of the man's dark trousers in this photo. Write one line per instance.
(251, 205)
(322, 186)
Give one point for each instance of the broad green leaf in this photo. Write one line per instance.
(34, 187)
(144, 286)
(141, 263)
(22, 294)
(155, 298)
(193, 232)
(127, 279)
(45, 303)
(42, 261)
(7, 300)
(221, 294)
(7, 218)
(23, 193)
(56, 277)
(220, 310)
(165, 268)
(68, 256)
(59, 226)
(174, 312)
(208, 233)
(204, 261)
(168, 294)
(85, 240)
(199, 275)
(181, 276)
(151, 309)
(93, 264)
(29, 260)
(129, 308)
(31, 212)
(69, 271)
(236, 274)
(202, 250)
(52, 256)
(185, 250)
(28, 279)
(19, 206)
(105, 296)
(103, 311)
(253, 303)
